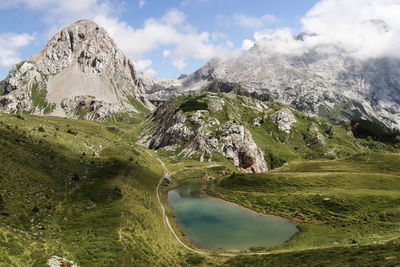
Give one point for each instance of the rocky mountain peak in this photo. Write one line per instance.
(85, 42)
(80, 70)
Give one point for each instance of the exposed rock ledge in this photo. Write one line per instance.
(233, 141)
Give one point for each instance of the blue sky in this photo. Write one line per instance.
(163, 37)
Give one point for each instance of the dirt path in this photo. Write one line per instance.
(165, 217)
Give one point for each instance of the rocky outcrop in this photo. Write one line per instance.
(284, 119)
(78, 62)
(314, 136)
(238, 147)
(217, 86)
(198, 132)
(170, 130)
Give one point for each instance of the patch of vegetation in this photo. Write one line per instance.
(378, 255)
(273, 161)
(138, 106)
(19, 65)
(81, 112)
(2, 85)
(38, 97)
(377, 132)
(89, 198)
(193, 104)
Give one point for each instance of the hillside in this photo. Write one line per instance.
(254, 135)
(82, 191)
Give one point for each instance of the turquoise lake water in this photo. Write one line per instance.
(213, 223)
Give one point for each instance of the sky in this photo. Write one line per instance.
(169, 37)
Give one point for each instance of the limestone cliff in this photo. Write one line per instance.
(79, 73)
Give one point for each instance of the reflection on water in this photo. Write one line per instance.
(213, 223)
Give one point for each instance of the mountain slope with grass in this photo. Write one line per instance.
(80, 73)
(82, 191)
(254, 135)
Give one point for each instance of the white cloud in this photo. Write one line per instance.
(166, 53)
(180, 40)
(173, 17)
(141, 3)
(170, 32)
(218, 36)
(247, 44)
(179, 63)
(254, 22)
(10, 46)
(151, 71)
(363, 28)
(143, 64)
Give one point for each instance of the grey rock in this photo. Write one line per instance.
(238, 147)
(284, 119)
(80, 61)
(233, 141)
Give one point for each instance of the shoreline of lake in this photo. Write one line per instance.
(230, 209)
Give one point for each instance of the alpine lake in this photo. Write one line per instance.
(217, 224)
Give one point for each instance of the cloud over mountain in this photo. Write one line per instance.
(363, 28)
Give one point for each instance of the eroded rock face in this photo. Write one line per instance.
(81, 60)
(314, 135)
(206, 136)
(284, 119)
(238, 146)
(171, 129)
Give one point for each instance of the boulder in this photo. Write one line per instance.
(284, 119)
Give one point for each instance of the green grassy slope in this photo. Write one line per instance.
(79, 190)
(278, 147)
(355, 200)
(379, 255)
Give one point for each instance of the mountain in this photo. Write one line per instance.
(79, 73)
(325, 81)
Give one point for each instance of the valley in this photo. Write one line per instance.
(254, 160)
(87, 193)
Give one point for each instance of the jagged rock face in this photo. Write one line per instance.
(233, 141)
(171, 130)
(238, 146)
(158, 89)
(218, 86)
(284, 119)
(79, 63)
(325, 82)
(314, 136)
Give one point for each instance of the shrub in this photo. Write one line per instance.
(193, 105)
(372, 131)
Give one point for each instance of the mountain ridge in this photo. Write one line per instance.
(325, 81)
